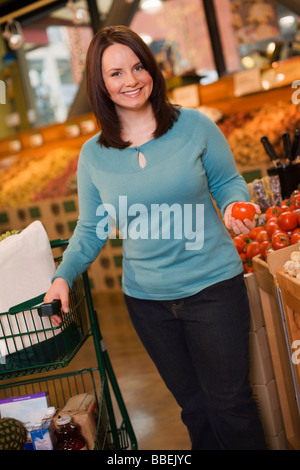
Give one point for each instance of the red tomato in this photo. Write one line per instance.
(271, 226)
(252, 249)
(243, 257)
(245, 237)
(268, 250)
(262, 236)
(296, 200)
(273, 211)
(255, 231)
(288, 205)
(248, 268)
(295, 237)
(243, 210)
(280, 240)
(240, 244)
(287, 221)
(263, 246)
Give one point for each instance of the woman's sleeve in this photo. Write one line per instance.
(226, 185)
(85, 244)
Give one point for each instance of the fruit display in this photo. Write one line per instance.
(32, 179)
(292, 266)
(244, 130)
(8, 233)
(62, 185)
(277, 228)
(27, 178)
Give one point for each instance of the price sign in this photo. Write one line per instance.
(247, 82)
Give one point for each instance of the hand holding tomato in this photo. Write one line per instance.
(239, 217)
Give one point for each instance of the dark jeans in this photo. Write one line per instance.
(200, 346)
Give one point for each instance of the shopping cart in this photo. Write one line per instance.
(40, 347)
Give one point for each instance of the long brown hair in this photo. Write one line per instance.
(102, 106)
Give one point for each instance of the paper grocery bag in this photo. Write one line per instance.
(26, 269)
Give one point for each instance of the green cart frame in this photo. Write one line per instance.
(48, 351)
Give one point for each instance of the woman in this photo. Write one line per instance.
(153, 170)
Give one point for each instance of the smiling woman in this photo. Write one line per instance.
(128, 83)
(132, 77)
(182, 276)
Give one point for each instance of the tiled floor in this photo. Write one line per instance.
(153, 411)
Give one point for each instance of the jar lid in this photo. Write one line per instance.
(63, 420)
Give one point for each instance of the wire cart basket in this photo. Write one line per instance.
(33, 346)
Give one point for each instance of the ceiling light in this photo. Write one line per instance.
(80, 15)
(287, 21)
(147, 38)
(14, 34)
(151, 6)
(271, 48)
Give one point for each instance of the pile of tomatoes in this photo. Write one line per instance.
(281, 229)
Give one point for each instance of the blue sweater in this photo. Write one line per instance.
(174, 242)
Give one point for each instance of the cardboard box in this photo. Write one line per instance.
(278, 442)
(268, 405)
(256, 311)
(261, 368)
(84, 411)
(265, 273)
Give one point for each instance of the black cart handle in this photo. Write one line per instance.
(50, 308)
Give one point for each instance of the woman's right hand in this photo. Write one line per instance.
(58, 290)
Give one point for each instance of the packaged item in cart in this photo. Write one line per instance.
(43, 436)
(68, 435)
(29, 409)
(84, 412)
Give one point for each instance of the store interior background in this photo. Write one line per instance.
(196, 42)
(190, 37)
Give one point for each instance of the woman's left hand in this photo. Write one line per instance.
(239, 226)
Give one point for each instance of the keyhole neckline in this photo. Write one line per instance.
(141, 158)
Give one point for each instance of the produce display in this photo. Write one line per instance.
(8, 233)
(26, 179)
(244, 131)
(292, 266)
(277, 228)
(32, 179)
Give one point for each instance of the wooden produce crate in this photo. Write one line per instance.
(290, 292)
(275, 324)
